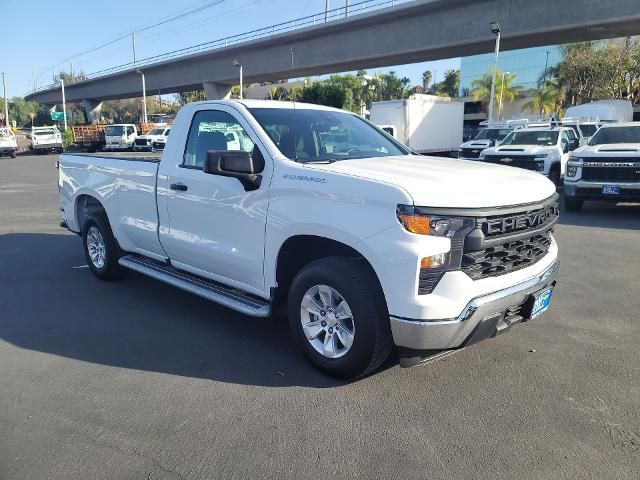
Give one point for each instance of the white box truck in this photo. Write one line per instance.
(424, 123)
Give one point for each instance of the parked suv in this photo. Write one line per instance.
(607, 169)
(543, 150)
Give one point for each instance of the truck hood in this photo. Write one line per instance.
(479, 144)
(612, 149)
(519, 149)
(150, 137)
(442, 182)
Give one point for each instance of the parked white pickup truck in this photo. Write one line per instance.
(607, 169)
(8, 142)
(365, 244)
(46, 139)
(145, 142)
(543, 150)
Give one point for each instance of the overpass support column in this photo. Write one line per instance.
(216, 91)
(92, 110)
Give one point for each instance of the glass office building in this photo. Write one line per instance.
(527, 64)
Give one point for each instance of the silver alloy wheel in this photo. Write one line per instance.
(327, 321)
(96, 247)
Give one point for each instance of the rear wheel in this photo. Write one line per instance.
(101, 250)
(14, 154)
(338, 317)
(572, 204)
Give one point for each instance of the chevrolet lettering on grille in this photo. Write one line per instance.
(521, 222)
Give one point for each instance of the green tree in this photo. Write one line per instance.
(427, 76)
(505, 90)
(548, 100)
(449, 85)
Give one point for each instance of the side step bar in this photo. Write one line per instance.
(227, 296)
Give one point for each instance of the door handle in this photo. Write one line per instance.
(179, 186)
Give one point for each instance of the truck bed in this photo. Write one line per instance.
(130, 156)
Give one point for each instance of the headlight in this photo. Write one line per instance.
(540, 155)
(482, 156)
(433, 267)
(572, 171)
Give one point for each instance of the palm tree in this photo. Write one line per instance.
(427, 76)
(505, 90)
(547, 101)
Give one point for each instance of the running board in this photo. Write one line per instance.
(227, 296)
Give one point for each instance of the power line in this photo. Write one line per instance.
(162, 21)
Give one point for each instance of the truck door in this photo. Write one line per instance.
(211, 225)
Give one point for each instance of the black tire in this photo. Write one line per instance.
(110, 269)
(14, 154)
(554, 175)
(372, 339)
(572, 204)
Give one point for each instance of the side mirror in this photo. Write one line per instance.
(565, 147)
(236, 164)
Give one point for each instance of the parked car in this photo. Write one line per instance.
(46, 139)
(8, 142)
(365, 248)
(145, 142)
(543, 150)
(607, 169)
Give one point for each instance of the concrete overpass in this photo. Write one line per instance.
(407, 33)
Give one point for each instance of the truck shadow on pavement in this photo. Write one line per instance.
(136, 323)
(603, 215)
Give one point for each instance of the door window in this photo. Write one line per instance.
(214, 130)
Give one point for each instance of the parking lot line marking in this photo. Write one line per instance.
(80, 266)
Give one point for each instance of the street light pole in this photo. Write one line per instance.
(495, 29)
(144, 97)
(64, 104)
(6, 104)
(326, 11)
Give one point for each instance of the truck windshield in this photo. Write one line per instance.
(114, 131)
(532, 137)
(493, 134)
(48, 131)
(588, 129)
(629, 134)
(309, 135)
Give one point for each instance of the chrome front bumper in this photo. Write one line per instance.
(487, 309)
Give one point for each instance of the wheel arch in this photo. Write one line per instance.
(87, 205)
(299, 250)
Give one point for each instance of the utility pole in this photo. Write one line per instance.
(6, 104)
(495, 29)
(34, 79)
(144, 97)
(71, 72)
(64, 104)
(346, 8)
(326, 11)
(133, 46)
(546, 64)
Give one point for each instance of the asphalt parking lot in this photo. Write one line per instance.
(137, 380)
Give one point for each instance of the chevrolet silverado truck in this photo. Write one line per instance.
(606, 169)
(543, 150)
(156, 134)
(46, 139)
(487, 137)
(364, 245)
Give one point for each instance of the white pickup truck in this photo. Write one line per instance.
(543, 150)
(365, 244)
(606, 169)
(46, 139)
(156, 134)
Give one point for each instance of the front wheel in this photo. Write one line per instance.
(338, 317)
(101, 250)
(14, 154)
(572, 204)
(554, 176)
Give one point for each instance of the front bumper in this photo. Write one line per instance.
(589, 190)
(483, 317)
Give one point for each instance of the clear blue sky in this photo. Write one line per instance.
(42, 33)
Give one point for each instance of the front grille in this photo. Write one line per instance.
(521, 161)
(141, 142)
(611, 173)
(505, 243)
(471, 152)
(506, 257)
